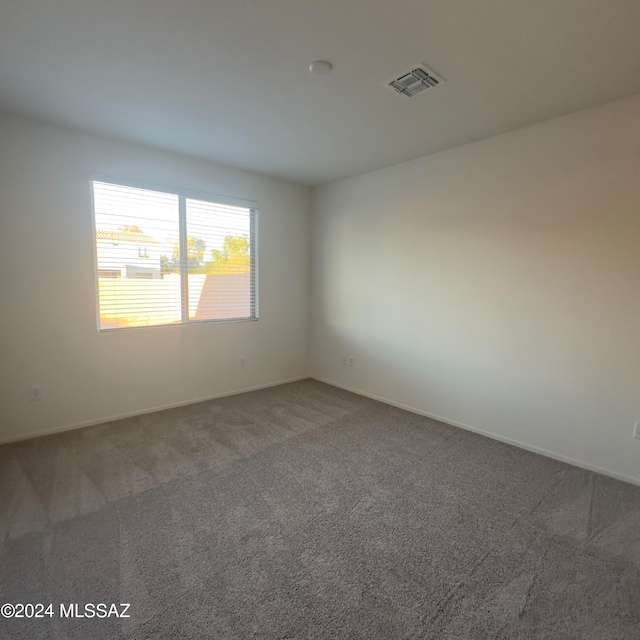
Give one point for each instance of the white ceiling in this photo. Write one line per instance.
(228, 80)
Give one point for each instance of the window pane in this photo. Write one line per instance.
(138, 255)
(163, 258)
(220, 264)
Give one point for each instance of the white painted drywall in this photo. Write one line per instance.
(48, 335)
(496, 285)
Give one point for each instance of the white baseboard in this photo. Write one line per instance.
(489, 434)
(453, 423)
(120, 416)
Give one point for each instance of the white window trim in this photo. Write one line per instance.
(183, 194)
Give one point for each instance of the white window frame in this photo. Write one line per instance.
(183, 196)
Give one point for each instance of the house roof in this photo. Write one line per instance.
(125, 236)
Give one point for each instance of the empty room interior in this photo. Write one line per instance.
(320, 319)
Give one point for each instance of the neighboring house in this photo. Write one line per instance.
(127, 254)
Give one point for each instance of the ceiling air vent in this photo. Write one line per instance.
(413, 82)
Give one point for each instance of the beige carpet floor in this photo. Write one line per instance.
(305, 511)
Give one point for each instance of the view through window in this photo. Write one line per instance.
(166, 258)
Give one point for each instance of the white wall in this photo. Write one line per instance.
(496, 285)
(48, 335)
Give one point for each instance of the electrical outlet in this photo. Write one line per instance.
(345, 361)
(35, 394)
(636, 431)
(351, 361)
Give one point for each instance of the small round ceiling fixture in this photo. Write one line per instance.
(320, 67)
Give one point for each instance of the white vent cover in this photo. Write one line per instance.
(413, 82)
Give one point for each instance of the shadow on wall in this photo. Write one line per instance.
(223, 296)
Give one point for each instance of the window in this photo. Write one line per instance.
(108, 273)
(164, 257)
